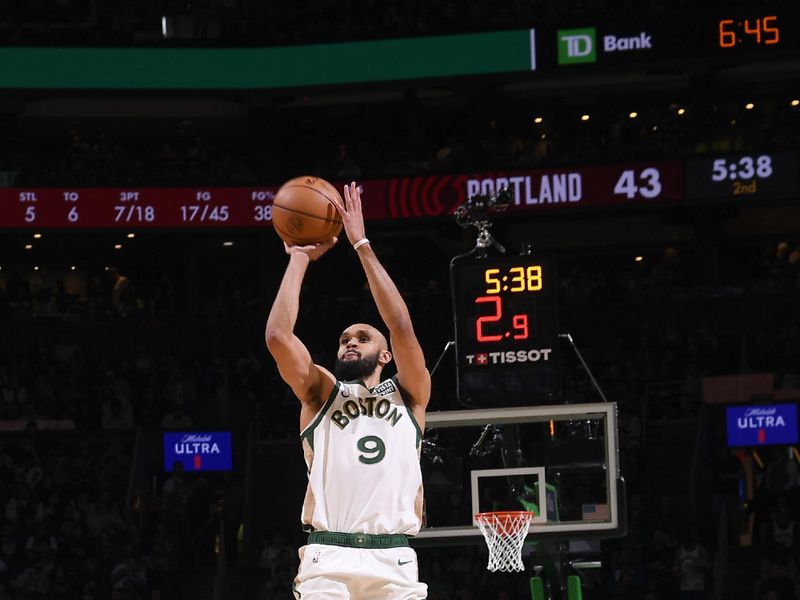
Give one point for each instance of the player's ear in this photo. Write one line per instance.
(384, 357)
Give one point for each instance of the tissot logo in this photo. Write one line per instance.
(579, 46)
(511, 356)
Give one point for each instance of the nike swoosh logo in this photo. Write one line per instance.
(403, 562)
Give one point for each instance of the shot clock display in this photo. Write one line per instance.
(506, 330)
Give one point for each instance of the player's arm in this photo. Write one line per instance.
(412, 375)
(309, 382)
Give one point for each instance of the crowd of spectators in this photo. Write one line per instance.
(54, 375)
(64, 372)
(64, 533)
(776, 520)
(403, 138)
(72, 530)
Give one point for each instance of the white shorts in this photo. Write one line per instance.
(337, 573)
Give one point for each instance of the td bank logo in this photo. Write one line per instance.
(576, 46)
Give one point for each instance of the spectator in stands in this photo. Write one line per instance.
(777, 583)
(692, 565)
(781, 531)
(117, 411)
(725, 505)
(345, 166)
(176, 492)
(176, 419)
(628, 576)
(122, 300)
(276, 556)
(660, 563)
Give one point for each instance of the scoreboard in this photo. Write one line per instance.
(744, 175)
(720, 178)
(133, 208)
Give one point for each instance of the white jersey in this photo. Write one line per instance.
(362, 451)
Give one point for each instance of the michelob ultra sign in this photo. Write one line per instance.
(765, 424)
(198, 450)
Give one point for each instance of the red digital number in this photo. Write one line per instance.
(498, 313)
(753, 31)
(776, 34)
(727, 38)
(520, 323)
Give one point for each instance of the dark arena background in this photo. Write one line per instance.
(638, 161)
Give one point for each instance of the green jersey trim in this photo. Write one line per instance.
(408, 410)
(308, 432)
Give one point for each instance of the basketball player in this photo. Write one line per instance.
(361, 435)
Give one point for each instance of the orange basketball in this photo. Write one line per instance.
(303, 211)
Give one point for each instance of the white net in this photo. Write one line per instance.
(504, 533)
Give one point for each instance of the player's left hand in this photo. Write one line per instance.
(352, 216)
(313, 251)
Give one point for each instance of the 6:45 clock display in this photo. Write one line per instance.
(759, 30)
(506, 330)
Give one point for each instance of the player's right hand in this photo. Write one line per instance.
(313, 251)
(352, 215)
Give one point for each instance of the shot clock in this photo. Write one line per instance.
(506, 330)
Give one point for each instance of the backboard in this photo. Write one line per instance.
(558, 461)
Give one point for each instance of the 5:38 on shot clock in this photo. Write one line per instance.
(506, 330)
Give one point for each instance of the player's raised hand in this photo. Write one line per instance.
(313, 251)
(352, 216)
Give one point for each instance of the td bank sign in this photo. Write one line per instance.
(579, 46)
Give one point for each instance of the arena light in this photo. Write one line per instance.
(131, 236)
(73, 268)
(639, 258)
(117, 246)
(795, 102)
(681, 111)
(36, 268)
(584, 118)
(749, 106)
(227, 244)
(633, 114)
(37, 236)
(28, 246)
(538, 120)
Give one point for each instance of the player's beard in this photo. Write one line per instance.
(348, 370)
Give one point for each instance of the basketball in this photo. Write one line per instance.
(303, 211)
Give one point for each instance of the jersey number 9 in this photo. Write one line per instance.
(373, 449)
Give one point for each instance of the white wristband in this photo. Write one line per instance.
(360, 243)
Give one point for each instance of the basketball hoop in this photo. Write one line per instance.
(504, 533)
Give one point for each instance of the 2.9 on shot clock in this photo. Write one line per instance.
(506, 329)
